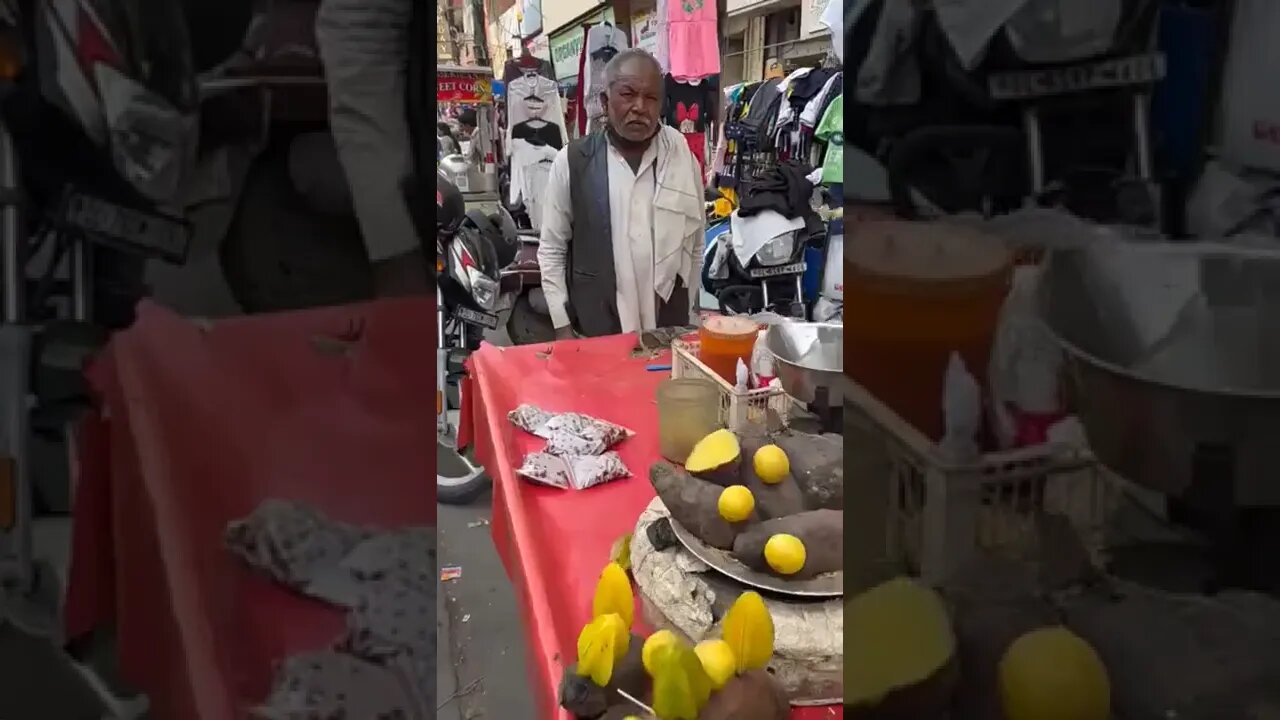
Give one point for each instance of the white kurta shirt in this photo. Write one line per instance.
(631, 219)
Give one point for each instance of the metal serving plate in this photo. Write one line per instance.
(828, 585)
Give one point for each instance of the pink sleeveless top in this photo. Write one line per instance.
(694, 45)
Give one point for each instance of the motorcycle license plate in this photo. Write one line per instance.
(1121, 72)
(768, 272)
(149, 233)
(476, 317)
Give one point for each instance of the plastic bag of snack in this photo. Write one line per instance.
(545, 469)
(530, 419)
(578, 434)
(578, 472)
(591, 470)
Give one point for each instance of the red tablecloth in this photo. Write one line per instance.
(331, 407)
(555, 542)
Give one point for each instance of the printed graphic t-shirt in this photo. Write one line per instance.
(687, 107)
(831, 131)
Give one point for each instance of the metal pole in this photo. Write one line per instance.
(12, 263)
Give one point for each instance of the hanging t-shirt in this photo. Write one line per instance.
(831, 131)
(663, 51)
(524, 65)
(603, 42)
(833, 19)
(688, 107)
(535, 98)
(537, 133)
(693, 44)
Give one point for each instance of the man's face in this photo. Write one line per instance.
(632, 102)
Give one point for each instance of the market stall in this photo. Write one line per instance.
(460, 88)
(554, 541)
(201, 423)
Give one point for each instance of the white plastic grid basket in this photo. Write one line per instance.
(738, 410)
(936, 514)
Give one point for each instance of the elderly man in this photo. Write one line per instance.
(623, 222)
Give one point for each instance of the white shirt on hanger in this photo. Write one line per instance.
(833, 18)
(663, 54)
(534, 97)
(601, 36)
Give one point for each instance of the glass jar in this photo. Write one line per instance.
(724, 341)
(688, 410)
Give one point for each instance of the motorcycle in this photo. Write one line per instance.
(1049, 106)
(751, 275)
(99, 109)
(98, 118)
(469, 261)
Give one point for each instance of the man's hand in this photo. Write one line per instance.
(565, 333)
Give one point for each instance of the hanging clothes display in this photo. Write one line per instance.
(603, 42)
(579, 121)
(526, 64)
(693, 40)
(535, 134)
(790, 137)
(795, 120)
(663, 50)
(831, 131)
(533, 102)
(833, 19)
(688, 108)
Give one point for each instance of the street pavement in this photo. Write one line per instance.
(481, 660)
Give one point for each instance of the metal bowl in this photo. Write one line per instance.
(808, 356)
(1173, 362)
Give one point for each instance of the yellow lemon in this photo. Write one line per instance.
(654, 643)
(717, 659)
(1053, 674)
(771, 464)
(736, 503)
(785, 554)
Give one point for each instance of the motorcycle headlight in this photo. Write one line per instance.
(483, 289)
(778, 250)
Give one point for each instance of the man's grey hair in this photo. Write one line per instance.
(614, 68)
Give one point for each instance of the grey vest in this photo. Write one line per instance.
(593, 285)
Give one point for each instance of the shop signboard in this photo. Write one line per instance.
(463, 88)
(566, 47)
(644, 31)
(811, 18)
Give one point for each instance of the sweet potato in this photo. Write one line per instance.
(754, 695)
(817, 463)
(694, 504)
(821, 531)
(716, 458)
(584, 699)
(900, 661)
(772, 500)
